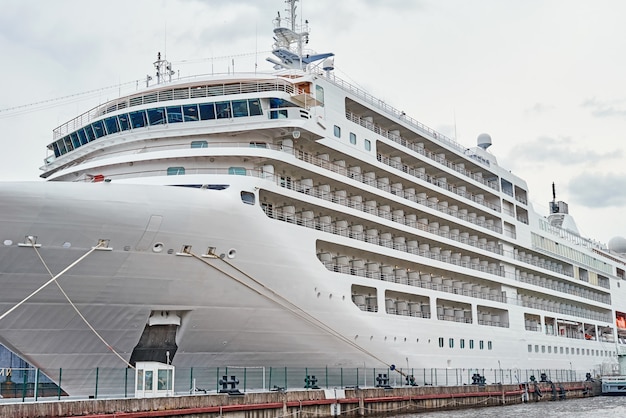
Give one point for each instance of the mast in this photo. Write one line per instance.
(290, 40)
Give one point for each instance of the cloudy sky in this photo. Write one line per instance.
(544, 78)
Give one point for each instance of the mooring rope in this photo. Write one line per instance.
(285, 303)
(54, 279)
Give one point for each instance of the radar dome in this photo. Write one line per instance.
(484, 141)
(618, 244)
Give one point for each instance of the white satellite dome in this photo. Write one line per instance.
(484, 141)
(618, 244)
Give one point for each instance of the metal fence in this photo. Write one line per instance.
(31, 384)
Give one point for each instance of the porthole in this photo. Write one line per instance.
(232, 253)
(157, 247)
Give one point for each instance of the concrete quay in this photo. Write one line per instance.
(352, 402)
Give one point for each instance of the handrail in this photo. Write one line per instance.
(174, 93)
(419, 149)
(380, 104)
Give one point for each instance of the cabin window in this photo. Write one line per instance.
(471, 344)
(255, 107)
(190, 113)
(223, 110)
(240, 108)
(337, 131)
(258, 145)
(441, 342)
(248, 198)
(368, 145)
(237, 171)
(174, 114)
(462, 343)
(112, 125)
(207, 111)
(489, 345)
(481, 344)
(319, 94)
(199, 144)
(352, 138)
(156, 116)
(175, 171)
(530, 348)
(451, 342)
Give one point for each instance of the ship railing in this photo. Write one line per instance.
(395, 113)
(420, 149)
(453, 318)
(177, 93)
(393, 278)
(528, 259)
(277, 213)
(584, 293)
(492, 323)
(582, 313)
(304, 156)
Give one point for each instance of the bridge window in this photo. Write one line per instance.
(240, 108)
(89, 131)
(174, 114)
(207, 111)
(83, 136)
(111, 125)
(156, 116)
(68, 143)
(123, 120)
(190, 112)
(223, 110)
(138, 118)
(75, 140)
(98, 128)
(255, 107)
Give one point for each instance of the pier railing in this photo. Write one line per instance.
(32, 385)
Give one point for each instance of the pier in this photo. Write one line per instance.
(349, 402)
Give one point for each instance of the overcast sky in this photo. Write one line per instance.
(544, 78)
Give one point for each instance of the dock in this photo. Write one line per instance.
(349, 402)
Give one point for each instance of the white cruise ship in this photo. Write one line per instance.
(292, 219)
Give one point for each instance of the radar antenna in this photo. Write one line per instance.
(554, 207)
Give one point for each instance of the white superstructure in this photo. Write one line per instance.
(292, 219)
